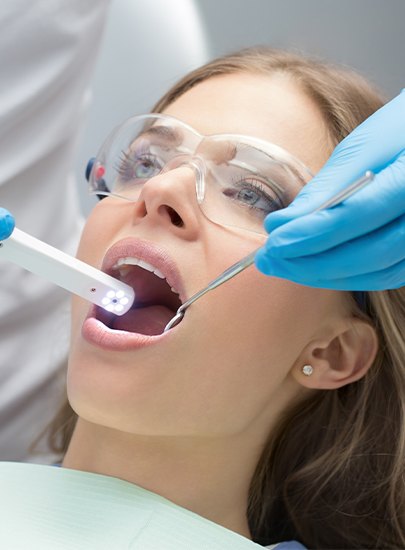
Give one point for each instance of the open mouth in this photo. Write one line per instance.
(155, 301)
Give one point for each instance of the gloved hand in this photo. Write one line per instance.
(359, 244)
(7, 224)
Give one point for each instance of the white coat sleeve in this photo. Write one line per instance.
(47, 56)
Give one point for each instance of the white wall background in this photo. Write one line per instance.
(149, 44)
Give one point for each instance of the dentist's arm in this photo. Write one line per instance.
(7, 224)
(359, 245)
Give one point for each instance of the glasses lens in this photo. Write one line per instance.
(245, 183)
(138, 151)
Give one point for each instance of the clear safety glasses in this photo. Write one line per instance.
(238, 179)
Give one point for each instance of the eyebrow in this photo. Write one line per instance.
(168, 134)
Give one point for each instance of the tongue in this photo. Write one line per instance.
(149, 320)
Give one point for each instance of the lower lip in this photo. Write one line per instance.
(98, 334)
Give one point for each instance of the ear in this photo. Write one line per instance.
(339, 359)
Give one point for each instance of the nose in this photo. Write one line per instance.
(169, 199)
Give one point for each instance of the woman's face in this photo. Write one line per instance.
(227, 367)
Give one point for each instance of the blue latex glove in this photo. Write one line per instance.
(359, 244)
(7, 224)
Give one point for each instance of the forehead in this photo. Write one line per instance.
(272, 108)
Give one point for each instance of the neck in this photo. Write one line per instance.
(209, 477)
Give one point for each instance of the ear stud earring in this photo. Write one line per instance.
(307, 370)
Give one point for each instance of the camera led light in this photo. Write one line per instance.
(67, 272)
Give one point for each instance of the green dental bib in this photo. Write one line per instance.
(48, 508)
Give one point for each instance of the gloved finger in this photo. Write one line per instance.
(7, 223)
(388, 278)
(374, 206)
(378, 251)
(373, 145)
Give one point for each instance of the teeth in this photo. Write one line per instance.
(134, 261)
(122, 264)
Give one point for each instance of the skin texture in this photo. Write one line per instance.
(188, 417)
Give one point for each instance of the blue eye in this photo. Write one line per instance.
(255, 195)
(145, 168)
(248, 196)
(141, 166)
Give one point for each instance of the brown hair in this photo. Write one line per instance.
(332, 475)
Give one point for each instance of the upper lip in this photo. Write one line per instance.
(150, 253)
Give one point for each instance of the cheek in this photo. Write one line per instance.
(251, 333)
(247, 333)
(265, 322)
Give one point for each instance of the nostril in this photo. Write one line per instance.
(175, 218)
